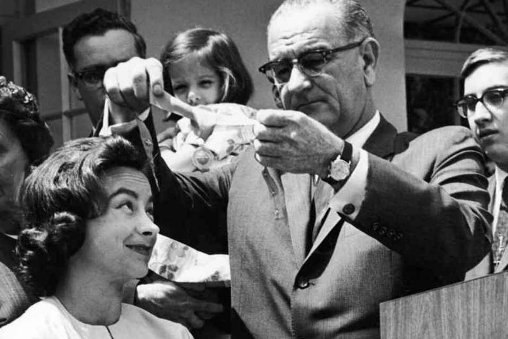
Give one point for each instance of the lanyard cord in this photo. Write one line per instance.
(109, 331)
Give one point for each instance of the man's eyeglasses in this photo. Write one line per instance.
(92, 77)
(310, 63)
(492, 99)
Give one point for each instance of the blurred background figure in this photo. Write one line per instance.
(89, 211)
(25, 141)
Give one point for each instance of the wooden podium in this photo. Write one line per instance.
(473, 309)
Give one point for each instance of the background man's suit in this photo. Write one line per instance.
(290, 281)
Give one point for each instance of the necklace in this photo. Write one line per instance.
(109, 331)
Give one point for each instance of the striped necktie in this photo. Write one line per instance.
(501, 234)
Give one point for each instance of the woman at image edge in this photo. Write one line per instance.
(25, 141)
(89, 211)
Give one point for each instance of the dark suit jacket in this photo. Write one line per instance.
(422, 224)
(14, 297)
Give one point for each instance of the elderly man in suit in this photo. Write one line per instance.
(331, 212)
(484, 105)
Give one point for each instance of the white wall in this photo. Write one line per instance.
(390, 89)
(245, 21)
(436, 57)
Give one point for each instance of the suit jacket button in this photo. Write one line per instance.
(375, 226)
(348, 209)
(302, 283)
(382, 230)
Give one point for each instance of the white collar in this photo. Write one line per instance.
(359, 138)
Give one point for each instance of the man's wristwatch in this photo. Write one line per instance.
(340, 167)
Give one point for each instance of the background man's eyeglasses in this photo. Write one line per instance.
(92, 77)
(310, 63)
(492, 99)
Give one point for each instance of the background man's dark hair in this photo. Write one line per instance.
(97, 22)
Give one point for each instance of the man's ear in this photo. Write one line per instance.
(276, 97)
(74, 84)
(370, 52)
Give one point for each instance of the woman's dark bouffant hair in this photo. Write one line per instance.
(59, 197)
(19, 109)
(220, 52)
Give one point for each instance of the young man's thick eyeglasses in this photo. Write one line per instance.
(92, 77)
(310, 63)
(492, 99)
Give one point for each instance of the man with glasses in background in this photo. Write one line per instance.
(92, 43)
(331, 212)
(484, 105)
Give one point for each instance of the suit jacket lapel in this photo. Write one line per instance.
(321, 198)
(380, 143)
(330, 220)
(486, 266)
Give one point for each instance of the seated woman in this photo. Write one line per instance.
(25, 141)
(89, 211)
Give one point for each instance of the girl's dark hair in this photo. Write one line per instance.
(59, 197)
(19, 109)
(220, 53)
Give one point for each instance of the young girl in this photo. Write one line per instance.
(204, 67)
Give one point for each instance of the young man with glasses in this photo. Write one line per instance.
(331, 212)
(485, 106)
